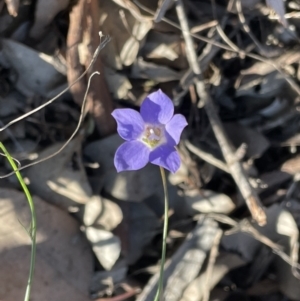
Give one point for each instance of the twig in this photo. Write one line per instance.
(247, 28)
(240, 52)
(204, 26)
(14, 159)
(207, 54)
(68, 141)
(211, 262)
(219, 27)
(228, 41)
(293, 14)
(197, 36)
(163, 6)
(121, 297)
(209, 158)
(235, 167)
(83, 107)
(245, 226)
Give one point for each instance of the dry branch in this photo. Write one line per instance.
(235, 167)
(211, 262)
(163, 6)
(230, 47)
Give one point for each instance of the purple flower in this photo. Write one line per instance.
(150, 135)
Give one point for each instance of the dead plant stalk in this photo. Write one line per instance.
(234, 165)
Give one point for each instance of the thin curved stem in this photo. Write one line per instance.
(32, 232)
(164, 243)
(81, 117)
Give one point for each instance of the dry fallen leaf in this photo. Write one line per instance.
(106, 246)
(159, 73)
(36, 72)
(64, 262)
(118, 84)
(102, 212)
(206, 201)
(45, 12)
(56, 180)
(132, 46)
(225, 262)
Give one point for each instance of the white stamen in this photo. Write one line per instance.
(153, 135)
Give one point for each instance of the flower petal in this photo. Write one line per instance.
(157, 108)
(131, 155)
(175, 127)
(165, 156)
(130, 123)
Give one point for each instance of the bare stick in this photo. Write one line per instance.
(81, 117)
(235, 167)
(240, 52)
(211, 262)
(247, 28)
(163, 6)
(246, 226)
(209, 158)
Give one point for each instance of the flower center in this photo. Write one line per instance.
(153, 135)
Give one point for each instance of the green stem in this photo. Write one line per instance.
(164, 243)
(32, 232)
